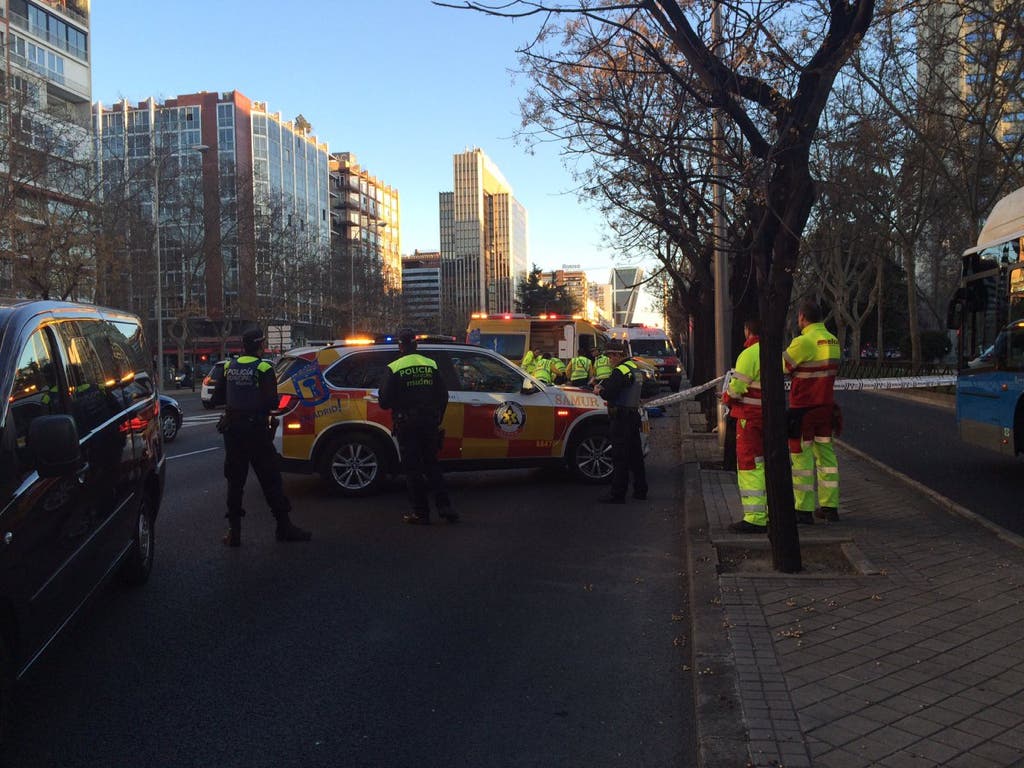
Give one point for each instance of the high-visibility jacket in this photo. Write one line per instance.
(527, 364)
(579, 368)
(813, 360)
(542, 371)
(557, 368)
(744, 393)
(602, 367)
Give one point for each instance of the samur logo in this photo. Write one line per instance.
(510, 417)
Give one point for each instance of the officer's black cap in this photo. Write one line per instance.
(406, 336)
(614, 345)
(252, 337)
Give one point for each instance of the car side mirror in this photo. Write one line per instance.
(528, 387)
(53, 442)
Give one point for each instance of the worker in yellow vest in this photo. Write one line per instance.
(743, 396)
(602, 367)
(581, 369)
(542, 368)
(812, 359)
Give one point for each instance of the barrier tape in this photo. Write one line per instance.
(684, 394)
(854, 385)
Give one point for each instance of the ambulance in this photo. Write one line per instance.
(511, 335)
(652, 345)
(331, 422)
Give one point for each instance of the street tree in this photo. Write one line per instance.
(769, 83)
(535, 295)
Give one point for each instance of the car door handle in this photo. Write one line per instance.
(82, 472)
(8, 537)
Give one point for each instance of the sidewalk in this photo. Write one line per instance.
(915, 660)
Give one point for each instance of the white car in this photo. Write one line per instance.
(210, 382)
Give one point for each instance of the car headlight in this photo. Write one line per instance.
(679, 369)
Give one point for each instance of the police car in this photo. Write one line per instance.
(497, 416)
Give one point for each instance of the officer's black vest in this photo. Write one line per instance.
(243, 384)
(628, 396)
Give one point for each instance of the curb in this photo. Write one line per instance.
(948, 504)
(719, 720)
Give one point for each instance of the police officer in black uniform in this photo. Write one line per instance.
(622, 392)
(249, 390)
(418, 398)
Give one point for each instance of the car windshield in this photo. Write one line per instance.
(650, 347)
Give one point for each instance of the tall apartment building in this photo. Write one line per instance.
(574, 281)
(970, 66)
(44, 147)
(244, 226)
(483, 241)
(599, 303)
(421, 290)
(366, 280)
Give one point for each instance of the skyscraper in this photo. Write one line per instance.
(625, 290)
(483, 241)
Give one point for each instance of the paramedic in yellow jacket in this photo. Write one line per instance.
(743, 396)
(813, 361)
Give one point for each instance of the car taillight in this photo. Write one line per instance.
(286, 402)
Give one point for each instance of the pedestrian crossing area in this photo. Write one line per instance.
(200, 420)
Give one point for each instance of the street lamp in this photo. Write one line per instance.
(201, 149)
(159, 314)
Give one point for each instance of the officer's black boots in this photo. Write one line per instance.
(233, 538)
(286, 531)
(445, 511)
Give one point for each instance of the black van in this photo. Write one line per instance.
(81, 468)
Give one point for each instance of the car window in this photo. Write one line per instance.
(129, 356)
(97, 393)
(481, 373)
(362, 370)
(36, 392)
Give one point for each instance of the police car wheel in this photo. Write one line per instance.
(590, 455)
(354, 464)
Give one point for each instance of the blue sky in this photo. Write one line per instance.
(403, 84)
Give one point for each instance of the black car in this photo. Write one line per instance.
(81, 469)
(170, 418)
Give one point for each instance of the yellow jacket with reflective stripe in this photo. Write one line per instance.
(813, 360)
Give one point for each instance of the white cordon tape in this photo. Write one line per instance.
(896, 382)
(686, 394)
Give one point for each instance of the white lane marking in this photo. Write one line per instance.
(193, 453)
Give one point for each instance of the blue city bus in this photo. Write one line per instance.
(987, 312)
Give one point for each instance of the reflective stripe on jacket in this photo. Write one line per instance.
(813, 360)
(744, 393)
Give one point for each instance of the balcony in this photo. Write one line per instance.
(21, 22)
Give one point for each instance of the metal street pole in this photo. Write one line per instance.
(159, 275)
(723, 309)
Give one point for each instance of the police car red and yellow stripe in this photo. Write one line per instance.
(342, 432)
